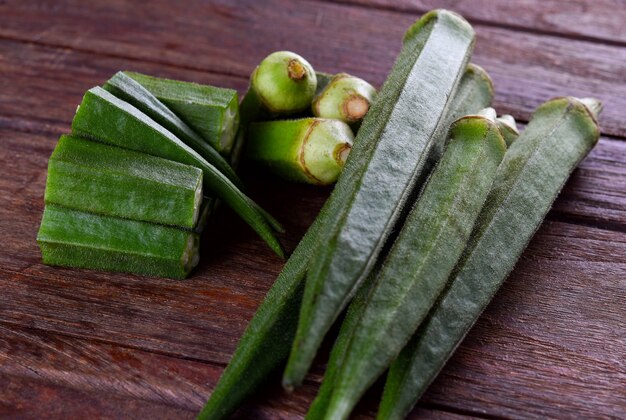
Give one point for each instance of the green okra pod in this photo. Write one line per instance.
(310, 150)
(265, 345)
(346, 98)
(396, 152)
(508, 128)
(212, 112)
(474, 93)
(72, 238)
(98, 178)
(418, 264)
(131, 91)
(535, 168)
(104, 117)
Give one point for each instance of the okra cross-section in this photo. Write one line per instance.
(94, 177)
(72, 238)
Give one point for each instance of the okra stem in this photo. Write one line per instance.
(508, 128)
(346, 98)
(284, 82)
(310, 150)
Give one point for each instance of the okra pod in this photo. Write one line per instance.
(421, 258)
(72, 238)
(310, 150)
(98, 178)
(474, 93)
(396, 151)
(102, 116)
(265, 344)
(535, 168)
(508, 128)
(131, 91)
(284, 82)
(212, 112)
(345, 98)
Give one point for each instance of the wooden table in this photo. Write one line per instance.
(77, 343)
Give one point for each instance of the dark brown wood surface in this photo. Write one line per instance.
(77, 343)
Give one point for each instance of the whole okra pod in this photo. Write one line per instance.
(535, 168)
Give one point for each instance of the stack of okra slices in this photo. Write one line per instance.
(115, 209)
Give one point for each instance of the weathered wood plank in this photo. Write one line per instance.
(600, 20)
(527, 68)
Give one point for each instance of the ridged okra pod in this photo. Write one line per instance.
(535, 168)
(212, 112)
(104, 117)
(418, 264)
(310, 150)
(94, 177)
(265, 344)
(396, 140)
(131, 91)
(475, 92)
(72, 238)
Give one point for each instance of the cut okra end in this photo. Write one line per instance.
(508, 128)
(284, 82)
(310, 150)
(593, 105)
(346, 98)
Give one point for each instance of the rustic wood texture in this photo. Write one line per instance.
(77, 343)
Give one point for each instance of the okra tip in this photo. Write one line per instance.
(593, 105)
(435, 15)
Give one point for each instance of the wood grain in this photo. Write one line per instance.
(77, 343)
(598, 21)
(331, 36)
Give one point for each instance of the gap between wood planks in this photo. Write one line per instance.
(410, 8)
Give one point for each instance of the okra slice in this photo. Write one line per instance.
(310, 150)
(129, 90)
(73, 238)
(475, 92)
(212, 112)
(104, 117)
(535, 168)
(108, 180)
(266, 342)
(396, 140)
(422, 257)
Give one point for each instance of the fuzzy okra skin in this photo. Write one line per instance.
(535, 168)
(265, 345)
(310, 150)
(97, 178)
(104, 117)
(475, 92)
(73, 238)
(397, 153)
(212, 112)
(421, 259)
(131, 91)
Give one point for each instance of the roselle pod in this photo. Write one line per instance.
(284, 83)
(310, 150)
(346, 98)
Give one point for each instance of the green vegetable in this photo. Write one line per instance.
(129, 90)
(323, 79)
(345, 98)
(72, 238)
(398, 136)
(559, 135)
(475, 92)
(107, 180)
(104, 117)
(284, 82)
(508, 128)
(310, 150)
(421, 259)
(210, 111)
(265, 344)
